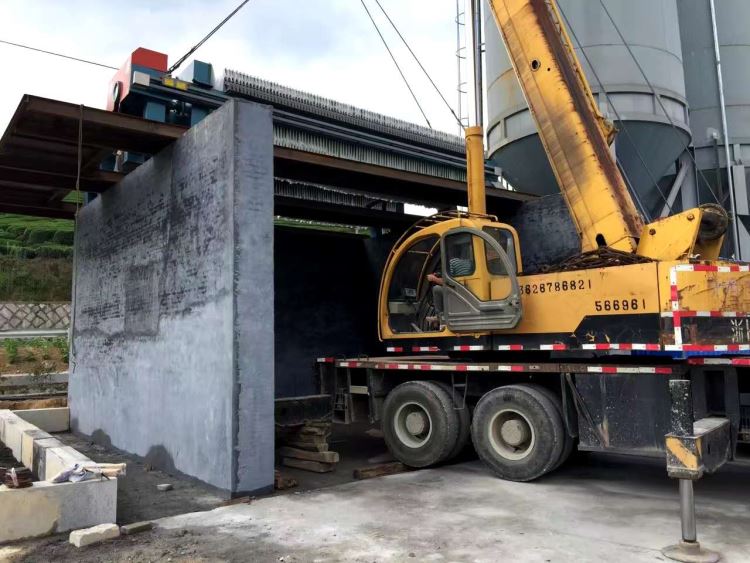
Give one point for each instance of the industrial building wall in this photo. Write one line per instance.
(172, 349)
(326, 302)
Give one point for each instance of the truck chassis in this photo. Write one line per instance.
(526, 417)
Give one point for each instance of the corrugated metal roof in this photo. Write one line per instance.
(282, 96)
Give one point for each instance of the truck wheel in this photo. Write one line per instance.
(569, 443)
(517, 432)
(420, 425)
(464, 421)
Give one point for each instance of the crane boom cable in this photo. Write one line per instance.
(195, 47)
(685, 146)
(393, 58)
(424, 70)
(54, 54)
(622, 123)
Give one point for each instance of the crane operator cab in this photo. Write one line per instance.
(452, 272)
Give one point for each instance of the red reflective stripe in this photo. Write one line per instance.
(677, 320)
(462, 367)
(704, 268)
(607, 369)
(663, 370)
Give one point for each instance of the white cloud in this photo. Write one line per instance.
(327, 47)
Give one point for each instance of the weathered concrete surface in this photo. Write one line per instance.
(56, 419)
(173, 346)
(596, 508)
(44, 508)
(606, 509)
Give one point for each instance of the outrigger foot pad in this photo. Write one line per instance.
(690, 552)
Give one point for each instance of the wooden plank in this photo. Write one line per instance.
(310, 446)
(306, 438)
(380, 470)
(314, 466)
(325, 457)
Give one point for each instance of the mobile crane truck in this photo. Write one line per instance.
(633, 346)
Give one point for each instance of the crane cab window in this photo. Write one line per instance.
(505, 239)
(459, 252)
(409, 298)
(477, 264)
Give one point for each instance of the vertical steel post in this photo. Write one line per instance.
(476, 45)
(687, 511)
(725, 134)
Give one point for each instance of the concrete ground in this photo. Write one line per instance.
(597, 508)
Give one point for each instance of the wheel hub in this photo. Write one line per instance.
(416, 423)
(412, 425)
(511, 434)
(514, 432)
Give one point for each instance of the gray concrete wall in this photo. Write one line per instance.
(172, 351)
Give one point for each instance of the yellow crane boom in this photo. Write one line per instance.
(575, 135)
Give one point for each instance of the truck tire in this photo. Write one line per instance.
(517, 432)
(420, 425)
(569, 443)
(464, 422)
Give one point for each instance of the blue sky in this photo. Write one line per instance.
(327, 47)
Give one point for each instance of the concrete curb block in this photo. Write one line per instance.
(95, 534)
(46, 508)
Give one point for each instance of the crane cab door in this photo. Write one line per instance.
(480, 289)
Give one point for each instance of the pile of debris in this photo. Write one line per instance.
(305, 446)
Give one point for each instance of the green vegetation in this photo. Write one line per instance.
(32, 237)
(35, 258)
(11, 350)
(37, 356)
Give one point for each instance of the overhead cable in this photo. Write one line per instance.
(54, 54)
(658, 98)
(424, 70)
(387, 48)
(206, 38)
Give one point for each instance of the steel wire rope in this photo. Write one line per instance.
(54, 54)
(195, 47)
(685, 145)
(414, 55)
(622, 124)
(393, 58)
(74, 303)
